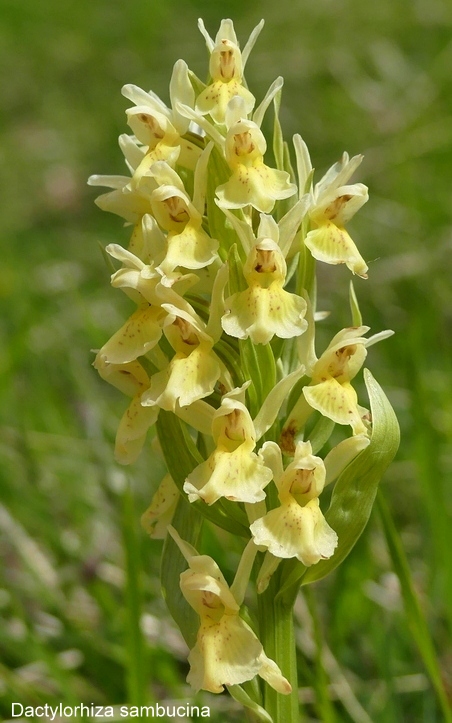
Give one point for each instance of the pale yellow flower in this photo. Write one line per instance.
(161, 510)
(330, 391)
(130, 201)
(226, 71)
(188, 245)
(140, 333)
(332, 205)
(162, 129)
(131, 379)
(297, 528)
(227, 651)
(264, 308)
(252, 182)
(233, 470)
(143, 283)
(194, 370)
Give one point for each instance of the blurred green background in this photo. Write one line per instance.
(363, 77)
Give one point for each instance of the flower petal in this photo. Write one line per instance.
(270, 672)
(181, 91)
(337, 402)
(129, 378)
(239, 475)
(132, 430)
(274, 401)
(226, 653)
(259, 186)
(186, 379)
(294, 531)
(340, 205)
(215, 98)
(261, 313)
(140, 333)
(333, 245)
(342, 454)
(191, 249)
(160, 512)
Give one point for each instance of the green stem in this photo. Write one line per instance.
(276, 625)
(136, 668)
(306, 267)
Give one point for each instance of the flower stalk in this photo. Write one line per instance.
(219, 356)
(276, 626)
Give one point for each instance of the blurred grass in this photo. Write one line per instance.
(372, 78)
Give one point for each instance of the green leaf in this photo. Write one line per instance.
(357, 319)
(219, 226)
(291, 573)
(282, 207)
(321, 433)
(415, 616)
(306, 268)
(188, 522)
(323, 703)
(136, 656)
(278, 140)
(242, 697)
(237, 281)
(355, 490)
(197, 84)
(230, 359)
(289, 168)
(107, 258)
(259, 365)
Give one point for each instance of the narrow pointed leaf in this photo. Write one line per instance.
(259, 365)
(242, 697)
(357, 318)
(278, 140)
(219, 226)
(187, 521)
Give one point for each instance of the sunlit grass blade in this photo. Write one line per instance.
(134, 643)
(415, 616)
(324, 706)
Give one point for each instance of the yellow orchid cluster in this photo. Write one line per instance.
(222, 332)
